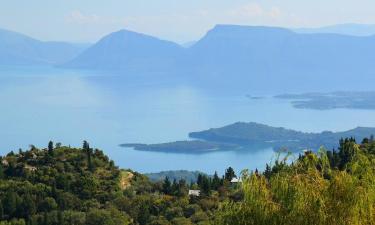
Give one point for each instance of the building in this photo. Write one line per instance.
(235, 180)
(195, 193)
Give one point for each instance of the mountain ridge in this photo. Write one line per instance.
(20, 49)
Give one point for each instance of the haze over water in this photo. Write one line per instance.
(39, 104)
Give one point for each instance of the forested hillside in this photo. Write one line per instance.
(74, 186)
(64, 185)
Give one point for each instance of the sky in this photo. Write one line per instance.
(179, 21)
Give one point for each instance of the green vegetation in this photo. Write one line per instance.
(325, 188)
(62, 185)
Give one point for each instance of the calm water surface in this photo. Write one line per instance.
(42, 104)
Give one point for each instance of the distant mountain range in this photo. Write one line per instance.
(344, 29)
(248, 54)
(244, 52)
(252, 137)
(19, 49)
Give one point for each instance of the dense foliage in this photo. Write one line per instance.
(73, 186)
(63, 185)
(334, 187)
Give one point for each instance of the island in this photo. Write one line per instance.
(333, 100)
(253, 136)
(196, 146)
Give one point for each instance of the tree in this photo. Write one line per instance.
(229, 174)
(88, 150)
(267, 172)
(216, 181)
(50, 148)
(28, 206)
(106, 217)
(167, 189)
(10, 203)
(1, 170)
(48, 204)
(205, 185)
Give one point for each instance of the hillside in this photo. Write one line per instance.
(19, 49)
(82, 186)
(126, 50)
(272, 51)
(249, 54)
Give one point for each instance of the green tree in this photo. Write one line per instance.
(47, 205)
(167, 187)
(2, 175)
(229, 174)
(10, 203)
(216, 181)
(50, 148)
(28, 206)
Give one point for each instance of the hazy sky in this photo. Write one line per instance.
(180, 21)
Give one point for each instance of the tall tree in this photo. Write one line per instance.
(229, 174)
(1, 170)
(50, 148)
(167, 186)
(88, 150)
(216, 181)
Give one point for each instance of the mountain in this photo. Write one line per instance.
(82, 186)
(344, 29)
(126, 50)
(274, 52)
(19, 49)
(251, 57)
(188, 44)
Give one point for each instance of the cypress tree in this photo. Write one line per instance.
(230, 174)
(216, 181)
(167, 186)
(50, 148)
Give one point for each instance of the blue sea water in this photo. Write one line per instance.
(39, 104)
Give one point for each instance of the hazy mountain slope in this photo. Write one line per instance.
(19, 49)
(344, 29)
(125, 49)
(276, 51)
(266, 58)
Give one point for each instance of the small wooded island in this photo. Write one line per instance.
(247, 136)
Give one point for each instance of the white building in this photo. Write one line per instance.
(196, 193)
(235, 180)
